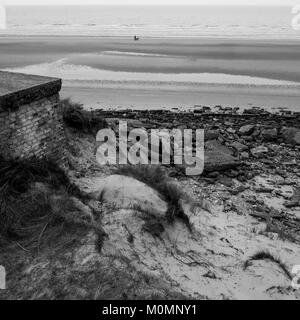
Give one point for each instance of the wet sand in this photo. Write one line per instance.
(278, 60)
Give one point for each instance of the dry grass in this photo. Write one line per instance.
(76, 117)
(16, 178)
(266, 255)
(38, 203)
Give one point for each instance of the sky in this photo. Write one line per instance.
(151, 2)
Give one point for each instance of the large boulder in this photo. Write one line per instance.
(291, 135)
(218, 157)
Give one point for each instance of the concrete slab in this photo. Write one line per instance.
(17, 89)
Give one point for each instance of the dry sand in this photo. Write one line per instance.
(160, 98)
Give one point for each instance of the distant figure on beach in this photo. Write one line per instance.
(136, 38)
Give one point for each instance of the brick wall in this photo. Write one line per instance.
(33, 130)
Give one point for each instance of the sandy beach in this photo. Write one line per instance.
(196, 70)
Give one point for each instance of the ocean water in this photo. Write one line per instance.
(153, 21)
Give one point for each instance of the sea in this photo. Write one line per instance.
(152, 21)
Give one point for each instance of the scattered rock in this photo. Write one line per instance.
(259, 151)
(238, 146)
(210, 275)
(211, 134)
(230, 130)
(134, 123)
(255, 110)
(291, 135)
(248, 138)
(214, 174)
(244, 155)
(216, 145)
(247, 129)
(269, 134)
(239, 189)
(292, 204)
(262, 189)
(226, 182)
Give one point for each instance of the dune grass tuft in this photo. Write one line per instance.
(156, 177)
(266, 255)
(76, 117)
(37, 201)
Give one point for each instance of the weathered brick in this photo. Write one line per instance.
(34, 129)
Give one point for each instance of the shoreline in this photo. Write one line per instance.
(162, 98)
